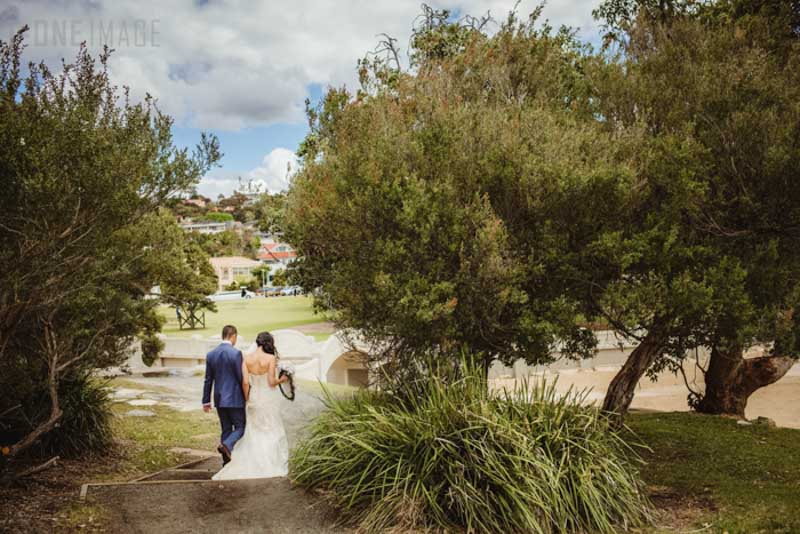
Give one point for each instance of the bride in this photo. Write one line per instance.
(263, 452)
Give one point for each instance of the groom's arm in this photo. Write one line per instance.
(209, 381)
(240, 362)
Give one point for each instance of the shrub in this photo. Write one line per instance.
(151, 347)
(454, 456)
(216, 216)
(85, 426)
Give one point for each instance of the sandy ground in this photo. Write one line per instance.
(316, 328)
(779, 401)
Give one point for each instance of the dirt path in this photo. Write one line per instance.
(262, 505)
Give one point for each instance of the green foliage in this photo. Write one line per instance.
(151, 347)
(86, 426)
(453, 456)
(269, 212)
(182, 269)
(707, 249)
(280, 278)
(216, 216)
(227, 243)
(83, 170)
(261, 275)
(442, 212)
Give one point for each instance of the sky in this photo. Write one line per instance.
(241, 69)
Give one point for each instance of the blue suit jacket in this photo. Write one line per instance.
(224, 373)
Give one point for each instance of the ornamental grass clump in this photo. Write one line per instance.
(455, 456)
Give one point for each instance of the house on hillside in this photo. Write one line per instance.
(276, 255)
(232, 268)
(199, 202)
(206, 227)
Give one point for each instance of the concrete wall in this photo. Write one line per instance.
(332, 360)
(313, 360)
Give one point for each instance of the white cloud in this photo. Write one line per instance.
(272, 175)
(275, 171)
(230, 64)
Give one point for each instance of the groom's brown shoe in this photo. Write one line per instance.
(226, 454)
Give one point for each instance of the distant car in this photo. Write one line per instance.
(274, 291)
(291, 290)
(231, 295)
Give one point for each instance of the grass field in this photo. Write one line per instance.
(712, 474)
(250, 316)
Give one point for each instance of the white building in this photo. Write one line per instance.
(206, 227)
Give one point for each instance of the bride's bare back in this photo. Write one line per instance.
(259, 362)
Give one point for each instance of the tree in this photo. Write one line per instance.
(227, 243)
(442, 208)
(714, 91)
(261, 275)
(80, 168)
(280, 278)
(184, 274)
(269, 212)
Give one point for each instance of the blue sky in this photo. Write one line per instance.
(240, 69)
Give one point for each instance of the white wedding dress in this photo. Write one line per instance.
(263, 452)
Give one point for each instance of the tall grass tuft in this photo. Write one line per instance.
(454, 456)
(85, 426)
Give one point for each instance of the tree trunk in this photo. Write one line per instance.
(622, 388)
(731, 379)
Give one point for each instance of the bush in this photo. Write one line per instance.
(151, 347)
(85, 426)
(454, 456)
(216, 216)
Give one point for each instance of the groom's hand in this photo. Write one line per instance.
(207, 408)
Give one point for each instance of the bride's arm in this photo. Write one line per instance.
(272, 375)
(245, 381)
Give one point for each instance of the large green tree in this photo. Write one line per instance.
(709, 258)
(81, 166)
(442, 208)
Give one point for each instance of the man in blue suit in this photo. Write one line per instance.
(224, 374)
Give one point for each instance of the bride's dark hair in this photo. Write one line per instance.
(266, 342)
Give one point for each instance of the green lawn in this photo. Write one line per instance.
(743, 479)
(250, 316)
(147, 440)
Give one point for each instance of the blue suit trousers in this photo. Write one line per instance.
(232, 421)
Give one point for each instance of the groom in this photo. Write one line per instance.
(224, 373)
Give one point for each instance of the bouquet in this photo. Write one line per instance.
(287, 388)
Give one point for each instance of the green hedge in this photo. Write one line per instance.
(453, 456)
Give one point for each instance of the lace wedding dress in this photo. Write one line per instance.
(263, 452)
